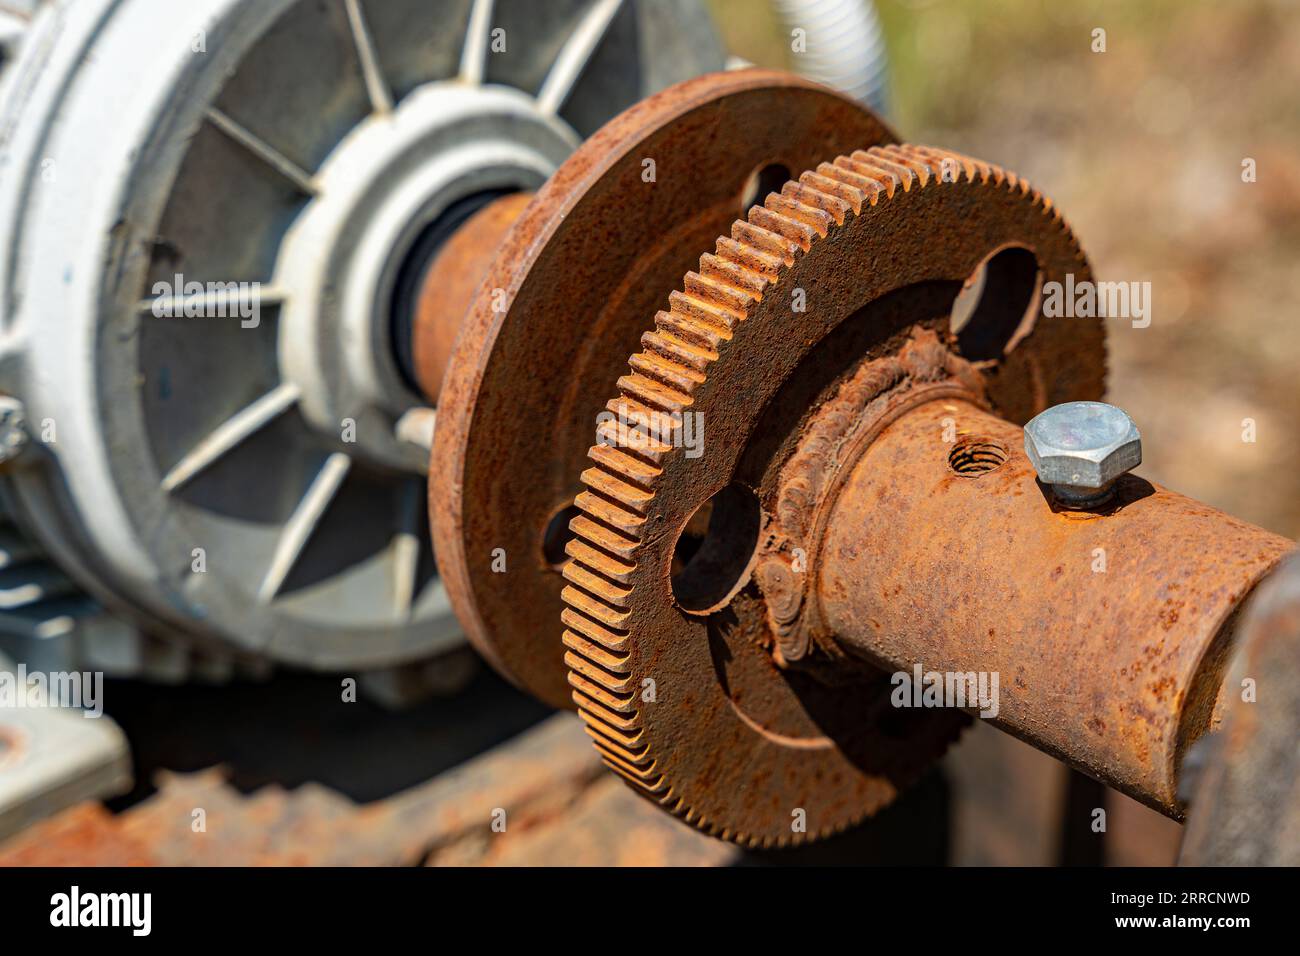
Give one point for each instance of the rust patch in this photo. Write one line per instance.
(1116, 668)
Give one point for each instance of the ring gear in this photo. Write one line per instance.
(688, 707)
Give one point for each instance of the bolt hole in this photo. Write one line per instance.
(714, 553)
(765, 179)
(558, 535)
(998, 304)
(972, 457)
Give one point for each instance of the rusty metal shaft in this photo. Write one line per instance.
(1108, 630)
(449, 285)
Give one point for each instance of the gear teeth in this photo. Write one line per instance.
(706, 337)
(873, 190)
(590, 580)
(973, 170)
(719, 290)
(643, 778)
(596, 607)
(765, 240)
(599, 561)
(595, 708)
(608, 540)
(657, 395)
(638, 428)
(977, 171)
(628, 742)
(621, 704)
(714, 315)
(680, 378)
(633, 441)
(614, 663)
(837, 198)
(904, 177)
(649, 419)
(816, 218)
(745, 281)
(634, 758)
(888, 180)
(636, 766)
(628, 459)
(614, 479)
(606, 511)
(765, 265)
(937, 159)
(627, 467)
(902, 159)
(613, 641)
(678, 350)
(800, 233)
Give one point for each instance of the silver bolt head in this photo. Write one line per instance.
(1082, 444)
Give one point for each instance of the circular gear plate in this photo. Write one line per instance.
(687, 705)
(563, 306)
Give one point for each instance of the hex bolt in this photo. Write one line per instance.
(1079, 449)
(13, 429)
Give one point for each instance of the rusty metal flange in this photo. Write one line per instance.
(560, 310)
(686, 703)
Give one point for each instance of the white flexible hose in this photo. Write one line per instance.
(845, 46)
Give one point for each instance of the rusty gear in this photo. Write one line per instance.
(560, 309)
(688, 703)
